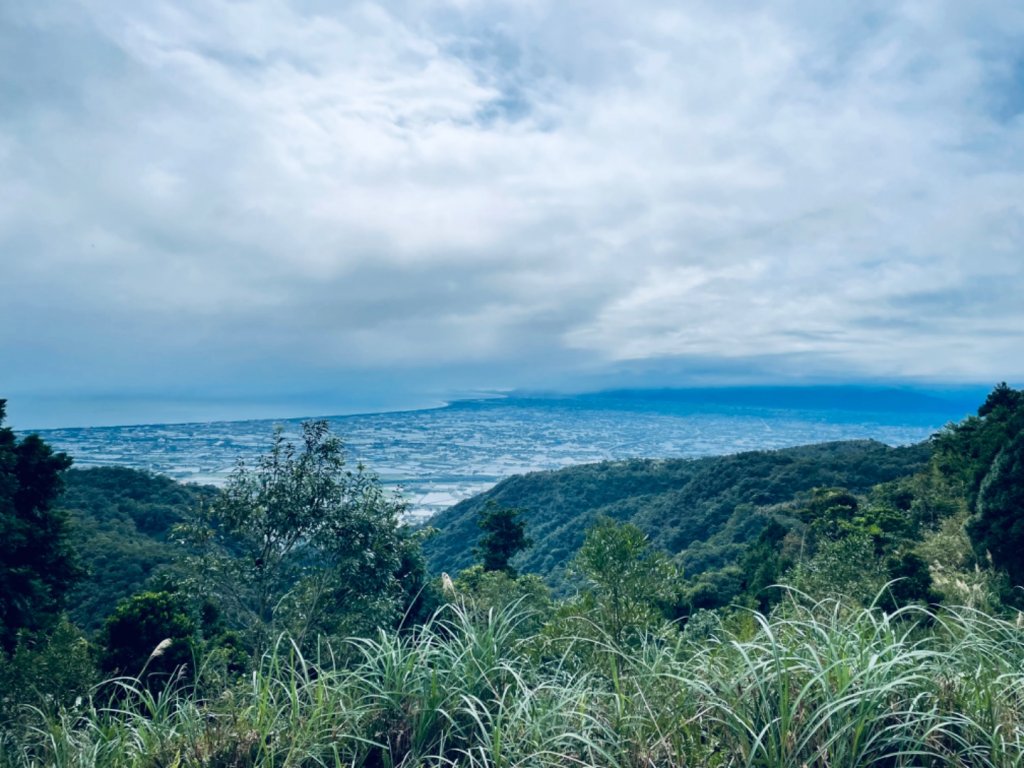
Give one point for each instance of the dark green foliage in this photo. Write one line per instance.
(997, 529)
(831, 514)
(482, 592)
(713, 589)
(36, 563)
(149, 634)
(121, 523)
(420, 596)
(981, 465)
(300, 543)
(835, 543)
(765, 564)
(707, 509)
(504, 537)
(46, 672)
(966, 451)
(629, 586)
(1002, 398)
(911, 581)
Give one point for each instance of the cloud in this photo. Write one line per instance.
(189, 190)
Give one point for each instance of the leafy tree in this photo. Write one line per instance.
(299, 543)
(504, 538)
(846, 567)
(1004, 397)
(121, 527)
(831, 514)
(997, 528)
(484, 592)
(152, 633)
(911, 581)
(46, 672)
(713, 589)
(629, 585)
(965, 452)
(764, 565)
(36, 562)
(420, 595)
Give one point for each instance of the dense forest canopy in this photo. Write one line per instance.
(121, 523)
(706, 510)
(37, 565)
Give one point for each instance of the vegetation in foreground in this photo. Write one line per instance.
(821, 685)
(291, 621)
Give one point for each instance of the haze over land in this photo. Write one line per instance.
(437, 457)
(269, 209)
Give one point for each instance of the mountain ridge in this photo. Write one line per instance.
(701, 509)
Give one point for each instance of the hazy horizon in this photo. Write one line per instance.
(863, 397)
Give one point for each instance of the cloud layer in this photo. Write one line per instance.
(265, 196)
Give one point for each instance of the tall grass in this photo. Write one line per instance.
(815, 684)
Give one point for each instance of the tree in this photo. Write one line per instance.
(485, 592)
(299, 543)
(36, 562)
(504, 537)
(997, 528)
(1002, 396)
(47, 673)
(764, 563)
(630, 584)
(831, 514)
(965, 452)
(150, 633)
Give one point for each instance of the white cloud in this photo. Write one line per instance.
(836, 188)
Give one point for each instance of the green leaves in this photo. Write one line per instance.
(36, 562)
(504, 537)
(300, 543)
(149, 633)
(629, 583)
(997, 529)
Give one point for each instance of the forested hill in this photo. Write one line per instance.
(120, 523)
(709, 509)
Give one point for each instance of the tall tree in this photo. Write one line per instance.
(151, 633)
(997, 528)
(504, 537)
(36, 563)
(965, 452)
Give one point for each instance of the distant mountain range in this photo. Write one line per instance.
(960, 401)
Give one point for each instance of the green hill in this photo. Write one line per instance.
(708, 509)
(120, 526)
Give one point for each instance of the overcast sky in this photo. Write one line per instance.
(312, 206)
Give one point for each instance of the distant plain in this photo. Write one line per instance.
(437, 457)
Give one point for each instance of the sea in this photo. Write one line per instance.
(437, 457)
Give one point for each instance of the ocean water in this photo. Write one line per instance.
(439, 456)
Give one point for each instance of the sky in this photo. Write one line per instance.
(218, 209)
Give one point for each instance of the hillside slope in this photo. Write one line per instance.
(120, 524)
(707, 508)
